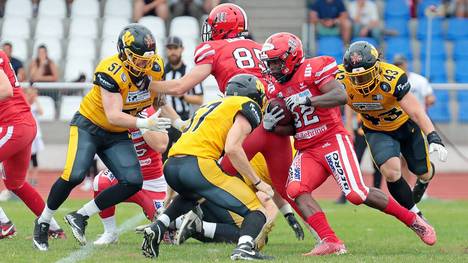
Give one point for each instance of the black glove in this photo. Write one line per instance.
(297, 228)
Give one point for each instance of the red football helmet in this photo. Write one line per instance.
(281, 53)
(225, 21)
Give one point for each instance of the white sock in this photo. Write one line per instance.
(209, 229)
(110, 225)
(164, 219)
(54, 225)
(89, 209)
(245, 239)
(46, 215)
(415, 209)
(3, 216)
(178, 222)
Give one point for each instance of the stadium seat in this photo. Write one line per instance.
(462, 99)
(54, 48)
(108, 47)
(440, 111)
(118, 8)
(155, 25)
(85, 8)
(48, 107)
(331, 46)
(457, 29)
(20, 48)
(424, 4)
(399, 25)
(367, 39)
(460, 50)
(83, 48)
(461, 71)
(52, 8)
(112, 27)
(76, 65)
(437, 49)
(398, 45)
(397, 9)
(49, 27)
(421, 31)
(16, 27)
(68, 107)
(18, 8)
(83, 27)
(185, 26)
(438, 73)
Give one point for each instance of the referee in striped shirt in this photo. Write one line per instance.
(186, 104)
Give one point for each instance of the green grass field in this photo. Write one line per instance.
(369, 235)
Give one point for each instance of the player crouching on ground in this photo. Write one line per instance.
(312, 94)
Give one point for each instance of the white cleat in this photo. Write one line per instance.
(107, 238)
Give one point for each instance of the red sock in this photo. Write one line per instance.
(319, 223)
(31, 198)
(404, 215)
(145, 202)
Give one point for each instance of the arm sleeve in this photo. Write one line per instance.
(402, 87)
(106, 82)
(252, 112)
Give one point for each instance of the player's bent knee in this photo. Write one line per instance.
(13, 184)
(355, 198)
(76, 178)
(293, 190)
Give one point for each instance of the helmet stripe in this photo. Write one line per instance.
(245, 18)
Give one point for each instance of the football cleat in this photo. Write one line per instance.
(7, 230)
(141, 229)
(57, 234)
(262, 238)
(327, 248)
(425, 231)
(41, 236)
(78, 224)
(191, 224)
(107, 238)
(246, 251)
(152, 238)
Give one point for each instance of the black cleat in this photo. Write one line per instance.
(152, 238)
(191, 224)
(41, 236)
(246, 251)
(78, 224)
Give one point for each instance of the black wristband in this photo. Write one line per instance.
(433, 137)
(288, 214)
(257, 183)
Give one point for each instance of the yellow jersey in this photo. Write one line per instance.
(380, 109)
(112, 76)
(205, 137)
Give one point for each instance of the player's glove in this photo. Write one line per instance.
(272, 117)
(294, 224)
(296, 100)
(435, 144)
(180, 125)
(154, 123)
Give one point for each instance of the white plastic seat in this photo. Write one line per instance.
(185, 26)
(155, 25)
(85, 8)
(16, 27)
(52, 8)
(75, 66)
(83, 27)
(20, 48)
(118, 8)
(54, 48)
(112, 26)
(69, 106)
(49, 27)
(108, 47)
(48, 107)
(18, 8)
(83, 48)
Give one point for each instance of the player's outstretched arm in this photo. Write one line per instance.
(179, 87)
(6, 90)
(333, 95)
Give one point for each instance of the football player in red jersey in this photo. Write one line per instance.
(17, 132)
(312, 94)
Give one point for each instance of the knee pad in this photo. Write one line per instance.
(354, 198)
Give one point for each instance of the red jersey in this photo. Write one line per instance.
(13, 110)
(230, 57)
(150, 160)
(312, 124)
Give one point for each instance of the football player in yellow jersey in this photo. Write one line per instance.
(394, 122)
(101, 126)
(193, 172)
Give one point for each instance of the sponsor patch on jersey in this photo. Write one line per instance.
(137, 96)
(307, 134)
(333, 161)
(403, 86)
(145, 162)
(158, 204)
(295, 169)
(385, 86)
(136, 134)
(367, 106)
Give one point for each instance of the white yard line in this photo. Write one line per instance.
(86, 251)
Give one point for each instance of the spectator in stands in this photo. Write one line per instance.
(420, 86)
(457, 8)
(331, 19)
(187, 8)
(183, 105)
(143, 8)
(15, 63)
(42, 68)
(365, 17)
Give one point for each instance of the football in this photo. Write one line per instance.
(288, 117)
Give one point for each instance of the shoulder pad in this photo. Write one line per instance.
(252, 112)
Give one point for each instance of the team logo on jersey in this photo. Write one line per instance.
(302, 85)
(384, 86)
(137, 96)
(377, 97)
(367, 106)
(351, 96)
(333, 160)
(355, 58)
